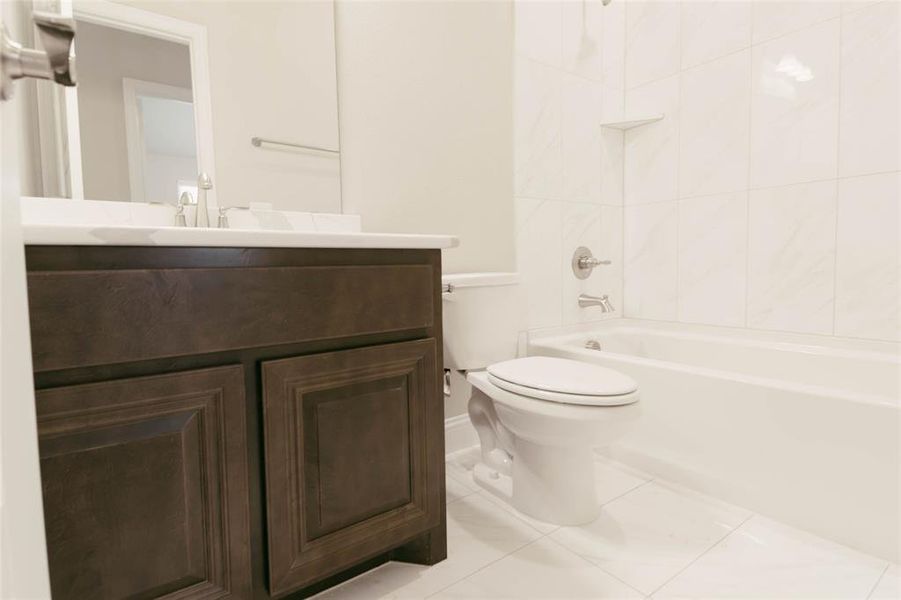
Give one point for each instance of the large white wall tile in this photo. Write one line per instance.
(581, 139)
(538, 31)
(581, 227)
(537, 147)
(652, 151)
(652, 41)
(613, 45)
(772, 18)
(866, 286)
(650, 261)
(791, 257)
(583, 38)
(538, 258)
(713, 29)
(611, 248)
(870, 100)
(600, 228)
(611, 167)
(853, 5)
(794, 107)
(713, 245)
(714, 126)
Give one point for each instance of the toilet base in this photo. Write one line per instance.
(555, 485)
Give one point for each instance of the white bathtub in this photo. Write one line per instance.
(801, 428)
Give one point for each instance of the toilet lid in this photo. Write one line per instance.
(562, 380)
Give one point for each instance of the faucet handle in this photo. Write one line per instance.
(583, 262)
(590, 262)
(222, 221)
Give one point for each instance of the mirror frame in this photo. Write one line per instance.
(143, 22)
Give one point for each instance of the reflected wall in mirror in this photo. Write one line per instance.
(167, 90)
(151, 151)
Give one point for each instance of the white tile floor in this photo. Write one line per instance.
(653, 539)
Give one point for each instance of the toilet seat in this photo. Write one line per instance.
(563, 380)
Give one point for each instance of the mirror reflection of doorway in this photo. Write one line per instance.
(159, 128)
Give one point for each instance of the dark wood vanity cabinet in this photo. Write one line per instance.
(145, 482)
(235, 423)
(347, 442)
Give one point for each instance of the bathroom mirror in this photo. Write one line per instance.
(167, 90)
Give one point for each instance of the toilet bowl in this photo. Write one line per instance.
(538, 420)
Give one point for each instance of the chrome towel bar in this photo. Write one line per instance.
(258, 142)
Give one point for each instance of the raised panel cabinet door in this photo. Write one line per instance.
(145, 487)
(353, 467)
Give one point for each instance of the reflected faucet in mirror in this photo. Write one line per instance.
(183, 201)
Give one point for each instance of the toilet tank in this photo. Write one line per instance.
(483, 315)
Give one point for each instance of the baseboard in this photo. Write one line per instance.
(459, 434)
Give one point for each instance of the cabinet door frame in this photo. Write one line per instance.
(297, 555)
(209, 402)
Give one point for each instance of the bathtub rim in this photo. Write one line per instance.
(875, 350)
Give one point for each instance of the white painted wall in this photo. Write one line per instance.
(769, 196)
(426, 123)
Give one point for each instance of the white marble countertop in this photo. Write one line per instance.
(130, 235)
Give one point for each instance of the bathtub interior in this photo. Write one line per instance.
(870, 370)
(796, 428)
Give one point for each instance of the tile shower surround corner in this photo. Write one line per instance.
(776, 113)
(568, 174)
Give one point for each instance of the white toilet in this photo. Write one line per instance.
(538, 418)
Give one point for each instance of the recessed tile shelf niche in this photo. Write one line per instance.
(632, 123)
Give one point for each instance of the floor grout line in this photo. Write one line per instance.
(595, 565)
(627, 492)
(512, 511)
(888, 566)
(486, 565)
(704, 553)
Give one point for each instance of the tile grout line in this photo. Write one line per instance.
(761, 188)
(704, 553)
(747, 191)
(750, 46)
(679, 110)
(878, 580)
(629, 491)
(595, 565)
(486, 565)
(752, 330)
(838, 169)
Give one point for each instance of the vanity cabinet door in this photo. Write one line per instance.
(354, 457)
(145, 487)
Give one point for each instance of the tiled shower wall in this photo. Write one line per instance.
(568, 173)
(768, 196)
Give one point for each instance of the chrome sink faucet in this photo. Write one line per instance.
(201, 215)
(603, 301)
